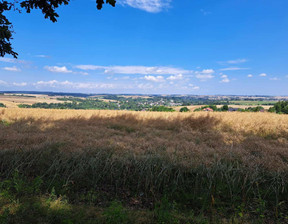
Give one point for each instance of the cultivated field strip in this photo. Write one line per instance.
(255, 138)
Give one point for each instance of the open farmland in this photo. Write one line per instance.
(150, 167)
(13, 100)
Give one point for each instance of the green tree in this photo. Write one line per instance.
(280, 107)
(48, 8)
(225, 108)
(184, 109)
(162, 109)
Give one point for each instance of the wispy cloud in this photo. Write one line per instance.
(12, 69)
(145, 86)
(12, 60)
(233, 69)
(130, 70)
(42, 56)
(20, 84)
(73, 85)
(250, 76)
(3, 83)
(193, 87)
(237, 61)
(152, 6)
(233, 62)
(204, 12)
(263, 75)
(58, 69)
(205, 74)
(274, 79)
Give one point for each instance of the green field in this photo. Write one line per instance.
(252, 103)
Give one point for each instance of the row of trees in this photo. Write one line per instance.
(85, 105)
(162, 109)
(226, 108)
(213, 107)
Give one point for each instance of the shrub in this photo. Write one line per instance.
(115, 213)
(184, 109)
(162, 109)
(225, 108)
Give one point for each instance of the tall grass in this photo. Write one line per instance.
(229, 162)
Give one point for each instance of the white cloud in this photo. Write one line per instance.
(8, 60)
(20, 84)
(42, 56)
(154, 78)
(263, 75)
(193, 87)
(274, 79)
(12, 60)
(204, 77)
(250, 76)
(73, 85)
(225, 79)
(205, 74)
(237, 61)
(58, 69)
(130, 70)
(82, 73)
(152, 6)
(90, 67)
(175, 77)
(145, 86)
(3, 83)
(204, 12)
(233, 69)
(12, 69)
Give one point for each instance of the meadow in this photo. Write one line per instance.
(84, 166)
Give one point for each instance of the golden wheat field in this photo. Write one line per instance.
(252, 138)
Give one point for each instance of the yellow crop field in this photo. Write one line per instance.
(212, 163)
(202, 134)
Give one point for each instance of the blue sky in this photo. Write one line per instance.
(153, 47)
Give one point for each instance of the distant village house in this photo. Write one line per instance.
(208, 109)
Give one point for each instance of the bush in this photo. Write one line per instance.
(184, 109)
(225, 108)
(162, 109)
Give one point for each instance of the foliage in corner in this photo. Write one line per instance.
(48, 8)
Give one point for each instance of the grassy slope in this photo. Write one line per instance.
(163, 167)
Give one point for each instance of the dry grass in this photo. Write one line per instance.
(207, 162)
(253, 138)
